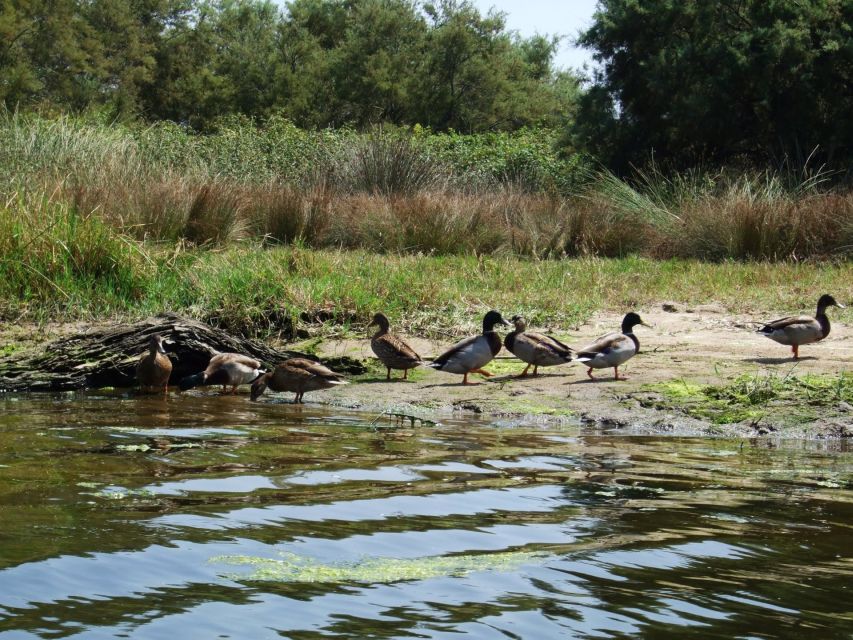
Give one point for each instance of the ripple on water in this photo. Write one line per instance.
(289, 521)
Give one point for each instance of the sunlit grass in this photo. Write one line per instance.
(264, 291)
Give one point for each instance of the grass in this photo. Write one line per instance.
(394, 191)
(752, 397)
(259, 229)
(263, 292)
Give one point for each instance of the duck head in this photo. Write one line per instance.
(631, 320)
(380, 320)
(827, 300)
(259, 385)
(519, 323)
(157, 344)
(491, 319)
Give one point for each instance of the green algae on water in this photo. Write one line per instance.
(295, 568)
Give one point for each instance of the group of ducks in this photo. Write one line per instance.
(470, 355)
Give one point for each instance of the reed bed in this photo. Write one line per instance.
(252, 227)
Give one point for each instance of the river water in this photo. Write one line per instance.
(216, 517)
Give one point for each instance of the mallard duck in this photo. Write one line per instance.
(797, 330)
(392, 350)
(227, 369)
(473, 353)
(534, 348)
(613, 349)
(154, 368)
(297, 375)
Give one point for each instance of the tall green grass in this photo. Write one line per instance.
(54, 259)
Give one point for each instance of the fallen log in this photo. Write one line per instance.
(107, 356)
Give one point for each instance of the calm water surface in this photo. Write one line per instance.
(209, 517)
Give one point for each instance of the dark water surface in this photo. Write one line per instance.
(209, 517)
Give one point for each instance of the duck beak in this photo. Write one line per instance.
(840, 306)
(650, 326)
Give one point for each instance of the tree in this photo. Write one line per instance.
(693, 81)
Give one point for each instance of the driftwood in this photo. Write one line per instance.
(107, 357)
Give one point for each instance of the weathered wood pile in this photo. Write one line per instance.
(107, 357)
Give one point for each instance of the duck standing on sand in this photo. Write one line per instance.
(473, 353)
(535, 349)
(227, 369)
(392, 350)
(613, 349)
(297, 375)
(796, 330)
(154, 368)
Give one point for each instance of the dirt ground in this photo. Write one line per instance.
(705, 345)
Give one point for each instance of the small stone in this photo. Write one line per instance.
(670, 307)
(845, 407)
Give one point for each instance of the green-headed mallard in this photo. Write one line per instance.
(535, 349)
(392, 350)
(613, 349)
(796, 330)
(473, 353)
(227, 369)
(154, 368)
(297, 375)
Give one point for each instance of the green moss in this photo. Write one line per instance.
(531, 408)
(294, 568)
(753, 397)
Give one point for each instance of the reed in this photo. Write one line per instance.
(397, 191)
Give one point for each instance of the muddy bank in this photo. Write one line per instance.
(700, 371)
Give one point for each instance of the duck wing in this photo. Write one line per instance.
(393, 350)
(308, 368)
(234, 358)
(537, 348)
(783, 323)
(603, 345)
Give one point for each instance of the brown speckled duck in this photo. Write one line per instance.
(536, 349)
(796, 330)
(391, 349)
(154, 368)
(297, 375)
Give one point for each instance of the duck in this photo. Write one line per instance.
(613, 349)
(536, 349)
(227, 369)
(798, 330)
(391, 349)
(473, 353)
(154, 367)
(297, 375)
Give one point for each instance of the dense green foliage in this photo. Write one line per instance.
(686, 83)
(691, 81)
(319, 63)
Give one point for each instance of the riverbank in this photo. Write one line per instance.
(702, 371)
